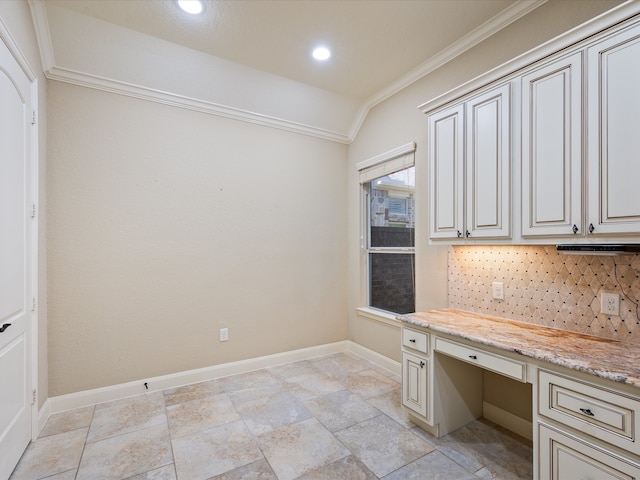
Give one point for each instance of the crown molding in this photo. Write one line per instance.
(180, 101)
(59, 73)
(470, 40)
(580, 33)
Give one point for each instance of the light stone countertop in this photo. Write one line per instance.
(605, 358)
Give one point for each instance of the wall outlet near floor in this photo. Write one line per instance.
(497, 290)
(224, 334)
(610, 303)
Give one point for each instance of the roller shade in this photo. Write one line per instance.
(389, 162)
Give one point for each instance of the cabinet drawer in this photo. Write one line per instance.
(563, 456)
(415, 340)
(502, 365)
(596, 411)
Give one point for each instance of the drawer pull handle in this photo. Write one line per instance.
(473, 357)
(4, 327)
(412, 340)
(586, 411)
(422, 364)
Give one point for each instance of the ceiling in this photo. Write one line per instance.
(378, 46)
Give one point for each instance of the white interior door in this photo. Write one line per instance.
(15, 262)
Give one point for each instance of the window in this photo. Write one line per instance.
(388, 186)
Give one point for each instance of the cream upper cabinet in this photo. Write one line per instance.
(469, 158)
(552, 148)
(446, 164)
(613, 134)
(488, 157)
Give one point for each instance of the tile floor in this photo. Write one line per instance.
(332, 417)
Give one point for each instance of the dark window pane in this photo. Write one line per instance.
(392, 278)
(392, 237)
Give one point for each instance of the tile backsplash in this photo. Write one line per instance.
(547, 288)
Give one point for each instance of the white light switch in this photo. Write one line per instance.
(610, 303)
(497, 289)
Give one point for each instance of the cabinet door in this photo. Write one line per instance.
(613, 134)
(446, 168)
(488, 157)
(414, 383)
(563, 456)
(552, 148)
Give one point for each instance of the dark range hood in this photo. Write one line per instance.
(586, 249)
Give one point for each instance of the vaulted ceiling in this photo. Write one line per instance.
(251, 59)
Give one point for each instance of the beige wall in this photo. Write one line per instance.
(16, 17)
(166, 225)
(397, 121)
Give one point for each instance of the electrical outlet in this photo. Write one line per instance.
(497, 289)
(224, 334)
(610, 303)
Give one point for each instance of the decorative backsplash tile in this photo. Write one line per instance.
(547, 288)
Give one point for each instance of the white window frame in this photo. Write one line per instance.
(399, 158)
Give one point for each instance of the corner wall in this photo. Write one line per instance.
(398, 121)
(166, 225)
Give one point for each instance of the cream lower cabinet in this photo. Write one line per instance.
(564, 456)
(415, 378)
(584, 427)
(586, 431)
(415, 372)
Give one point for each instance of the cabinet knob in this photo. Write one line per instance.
(412, 340)
(473, 357)
(459, 233)
(422, 364)
(591, 228)
(468, 234)
(586, 411)
(575, 229)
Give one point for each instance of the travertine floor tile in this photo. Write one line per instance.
(167, 472)
(127, 415)
(55, 454)
(434, 466)
(391, 404)
(263, 414)
(126, 455)
(247, 380)
(292, 369)
(300, 448)
(195, 391)
(311, 385)
(260, 470)
(368, 383)
(348, 468)
(67, 421)
(340, 410)
(383, 445)
(196, 415)
(214, 451)
(273, 421)
(338, 365)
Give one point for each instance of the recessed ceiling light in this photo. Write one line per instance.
(191, 6)
(321, 53)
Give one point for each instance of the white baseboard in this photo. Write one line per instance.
(43, 416)
(375, 357)
(114, 392)
(508, 420)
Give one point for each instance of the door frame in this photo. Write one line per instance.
(33, 172)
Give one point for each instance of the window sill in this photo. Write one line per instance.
(379, 316)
